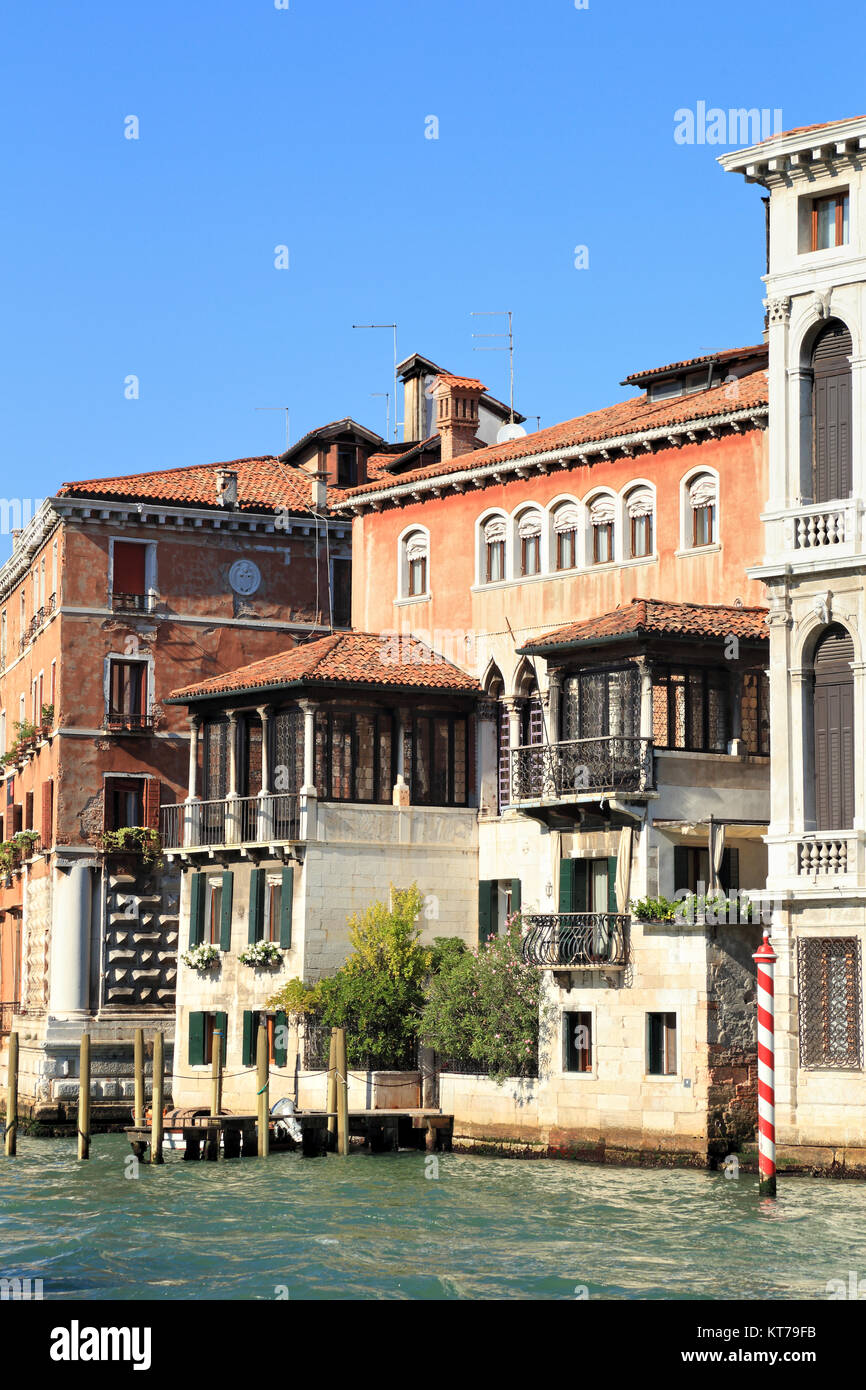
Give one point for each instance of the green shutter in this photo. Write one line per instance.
(286, 896)
(515, 895)
(486, 909)
(281, 1041)
(197, 892)
(226, 912)
(248, 1052)
(566, 884)
(580, 895)
(221, 1021)
(196, 1039)
(257, 905)
(611, 883)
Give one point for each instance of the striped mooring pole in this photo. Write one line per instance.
(765, 958)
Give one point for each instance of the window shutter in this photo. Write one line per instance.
(228, 880)
(128, 575)
(286, 902)
(196, 1039)
(151, 803)
(486, 913)
(566, 884)
(248, 1051)
(515, 895)
(196, 909)
(221, 1021)
(281, 1042)
(46, 833)
(257, 905)
(17, 817)
(681, 868)
(611, 883)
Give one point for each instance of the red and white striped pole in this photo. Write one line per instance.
(766, 958)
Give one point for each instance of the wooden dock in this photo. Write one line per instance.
(382, 1131)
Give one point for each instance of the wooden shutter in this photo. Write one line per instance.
(151, 803)
(196, 1039)
(281, 1042)
(566, 884)
(28, 810)
(257, 905)
(228, 880)
(46, 832)
(670, 1044)
(197, 894)
(248, 1049)
(516, 895)
(17, 817)
(487, 900)
(833, 716)
(286, 904)
(831, 414)
(128, 572)
(221, 1021)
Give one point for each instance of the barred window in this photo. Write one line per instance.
(830, 996)
(691, 709)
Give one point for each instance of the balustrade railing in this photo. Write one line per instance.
(239, 820)
(548, 771)
(575, 940)
(821, 856)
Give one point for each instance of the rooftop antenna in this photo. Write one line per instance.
(387, 395)
(393, 328)
(512, 430)
(279, 407)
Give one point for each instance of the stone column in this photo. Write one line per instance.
(266, 810)
(191, 810)
(70, 943)
(736, 746)
(646, 697)
(554, 704)
(233, 818)
(309, 794)
(401, 793)
(487, 757)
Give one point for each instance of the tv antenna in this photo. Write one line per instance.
(387, 395)
(508, 347)
(393, 328)
(279, 407)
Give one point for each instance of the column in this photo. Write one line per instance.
(233, 829)
(646, 719)
(520, 769)
(308, 798)
(191, 809)
(266, 800)
(401, 794)
(554, 704)
(487, 757)
(70, 943)
(736, 746)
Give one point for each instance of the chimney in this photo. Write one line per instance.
(16, 536)
(227, 487)
(456, 418)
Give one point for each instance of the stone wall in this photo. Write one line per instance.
(142, 912)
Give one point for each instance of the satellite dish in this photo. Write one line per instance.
(509, 432)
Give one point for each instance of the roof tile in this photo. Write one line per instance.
(653, 617)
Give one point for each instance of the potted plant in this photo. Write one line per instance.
(133, 840)
(202, 957)
(266, 953)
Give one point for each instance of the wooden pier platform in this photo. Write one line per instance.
(381, 1130)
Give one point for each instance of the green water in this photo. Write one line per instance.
(374, 1226)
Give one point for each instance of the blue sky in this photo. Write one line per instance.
(305, 127)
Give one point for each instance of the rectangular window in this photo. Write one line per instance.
(577, 1041)
(530, 555)
(602, 543)
(214, 912)
(566, 550)
(691, 709)
(830, 221)
(347, 465)
(128, 584)
(124, 802)
(495, 561)
(342, 598)
(127, 706)
(418, 576)
(704, 525)
(273, 906)
(438, 765)
(830, 1003)
(641, 536)
(662, 1044)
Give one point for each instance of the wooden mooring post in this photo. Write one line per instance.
(156, 1098)
(342, 1094)
(11, 1133)
(262, 1090)
(84, 1097)
(138, 1054)
(332, 1092)
(216, 1090)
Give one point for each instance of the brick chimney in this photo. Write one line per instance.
(456, 417)
(226, 487)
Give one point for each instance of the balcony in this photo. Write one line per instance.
(133, 603)
(238, 820)
(120, 722)
(576, 940)
(815, 534)
(581, 769)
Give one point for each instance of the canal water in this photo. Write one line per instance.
(377, 1226)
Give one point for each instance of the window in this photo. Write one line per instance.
(756, 712)
(691, 709)
(347, 465)
(204, 1028)
(830, 995)
(54, 570)
(601, 518)
(127, 698)
(661, 1044)
(414, 563)
(702, 499)
(566, 525)
(497, 900)
(435, 760)
(124, 802)
(529, 536)
(832, 476)
(577, 1041)
(692, 870)
(833, 730)
(493, 569)
(213, 918)
(273, 904)
(829, 225)
(354, 755)
(599, 704)
(129, 579)
(3, 637)
(341, 567)
(639, 509)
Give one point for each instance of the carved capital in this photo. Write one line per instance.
(778, 310)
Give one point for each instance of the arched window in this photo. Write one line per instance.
(639, 508)
(601, 520)
(703, 496)
(566, 526)
(414, 564)
(833, 723)
(831, 413)
(495, 690)
(493, 550)
(529, 536)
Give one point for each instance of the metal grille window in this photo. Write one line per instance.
(216, 742)
(353, 756)
(598, 704)
(288, 743)
(830, 1000)
(437, 761)
(691, 709)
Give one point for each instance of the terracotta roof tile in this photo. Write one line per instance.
(343, 658)
(652, 617)
(728, 355)
(633, 416)
(264, 485)
(469, 383)
(807, 129)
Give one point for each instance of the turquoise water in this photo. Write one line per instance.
(373, 1226)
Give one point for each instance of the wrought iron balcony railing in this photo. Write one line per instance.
(553, 771)
(576, 940)
(237, 820)
(118, 721)
(132, 603)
